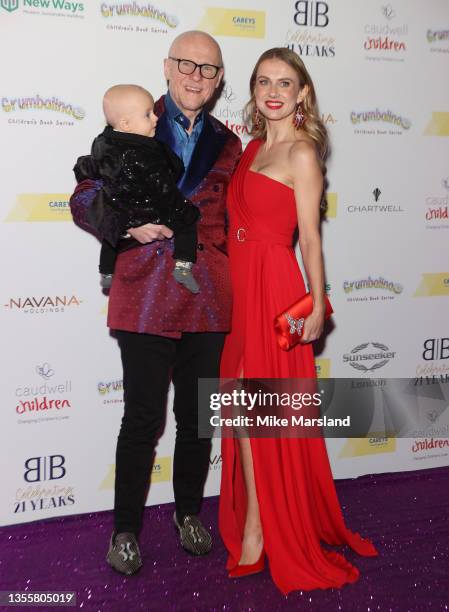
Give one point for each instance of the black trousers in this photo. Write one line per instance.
(149, 363)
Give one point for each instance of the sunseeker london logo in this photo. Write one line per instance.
(46, 8)
(41, 111)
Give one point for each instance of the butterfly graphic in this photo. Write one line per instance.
(296, 325)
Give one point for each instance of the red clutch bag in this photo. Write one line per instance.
(289, 324)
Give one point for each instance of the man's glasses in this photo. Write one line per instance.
(208, 71)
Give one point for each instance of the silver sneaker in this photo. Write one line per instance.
(124, 554)
(194, 537)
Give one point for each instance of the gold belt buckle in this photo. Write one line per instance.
(240, 237)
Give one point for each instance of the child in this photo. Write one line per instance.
(139, 177)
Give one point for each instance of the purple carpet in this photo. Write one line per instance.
(405, 514)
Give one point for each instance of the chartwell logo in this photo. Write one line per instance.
(9, 5)
(233, 22)
(385, 41)
(369, 356)
(378, 207)
(363, 120)
(43, 304)
(53, 495)
(37, 399)
(387, 289)
(313, 42)
(35, 207)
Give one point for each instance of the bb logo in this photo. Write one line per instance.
(310, 13)
(44, 468)
(9, 5)
(436, 348)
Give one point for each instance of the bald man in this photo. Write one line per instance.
(164, 331)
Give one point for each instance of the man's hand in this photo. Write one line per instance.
(149, 232)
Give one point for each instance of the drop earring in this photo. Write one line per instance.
(256, 119)
(299, 118)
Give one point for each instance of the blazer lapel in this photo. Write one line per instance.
(207, 149)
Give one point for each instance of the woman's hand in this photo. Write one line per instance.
(149, 232)
(313, 326)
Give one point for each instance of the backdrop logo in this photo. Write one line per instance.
(108, 390)
(38, 399)
(433, 284)
(435, 356)
(388, 289)
(161, 472)
(357, 447)
(215, 463)
(438, 125)
(37, 103)
(233, 22)
(437, 209)
(369, 356)
(9, 5)
(43, 304)
(363, 121)
(323, 368)
(331, 202)
(49, 469)
(385, 41)
(377, 205)
(137, 9)
(427, 448)
(313, 42)
(438, 41)
(31, 207)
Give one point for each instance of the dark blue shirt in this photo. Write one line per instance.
(184, 143)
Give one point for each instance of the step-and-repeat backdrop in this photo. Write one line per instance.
(380, 71)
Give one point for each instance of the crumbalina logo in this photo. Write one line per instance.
(397, 124)
(388, 289)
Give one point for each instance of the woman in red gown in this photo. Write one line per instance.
(278, 497)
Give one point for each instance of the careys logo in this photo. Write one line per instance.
(233, 22)
(33, 207)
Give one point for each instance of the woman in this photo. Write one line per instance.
(277, 495)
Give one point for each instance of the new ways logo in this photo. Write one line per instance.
(45, 7)
(233, 22)
(35, 207)
(9, 5)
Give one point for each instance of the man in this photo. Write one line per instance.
(163, 330)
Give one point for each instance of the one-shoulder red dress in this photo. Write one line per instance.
(297, 499)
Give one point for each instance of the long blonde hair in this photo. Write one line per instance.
(313, 125)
